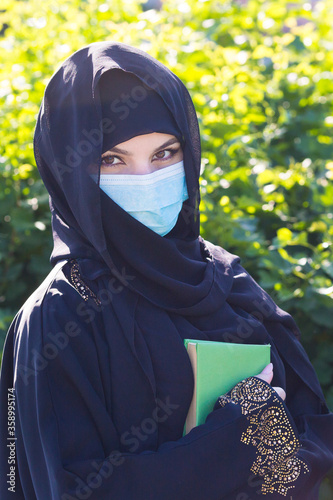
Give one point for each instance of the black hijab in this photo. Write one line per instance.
(132, 108)
(202, 288)
(174, 272)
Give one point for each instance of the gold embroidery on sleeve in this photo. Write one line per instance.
(271, 433)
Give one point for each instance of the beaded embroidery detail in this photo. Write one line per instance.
(271, 433)
(80, 285)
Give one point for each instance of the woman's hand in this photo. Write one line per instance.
(267, 375)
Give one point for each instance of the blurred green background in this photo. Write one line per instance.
(260, 75)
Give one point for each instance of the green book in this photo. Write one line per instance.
(217, 368)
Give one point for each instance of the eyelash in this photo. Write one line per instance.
(173, 151)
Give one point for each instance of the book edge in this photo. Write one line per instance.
(192, 411)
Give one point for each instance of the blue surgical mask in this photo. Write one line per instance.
(154, 199)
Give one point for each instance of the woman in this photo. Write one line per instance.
(102, 380)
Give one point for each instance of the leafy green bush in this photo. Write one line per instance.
(261, 78)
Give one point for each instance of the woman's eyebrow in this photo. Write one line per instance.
(124, 152)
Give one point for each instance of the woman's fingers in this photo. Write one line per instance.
(280, 392)
(267, 376)
(267, 373)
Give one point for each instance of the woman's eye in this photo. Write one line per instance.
(110, 160)
(165, 154)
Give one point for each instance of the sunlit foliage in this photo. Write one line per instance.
(260, 75)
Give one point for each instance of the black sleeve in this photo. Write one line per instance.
(289, 462)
